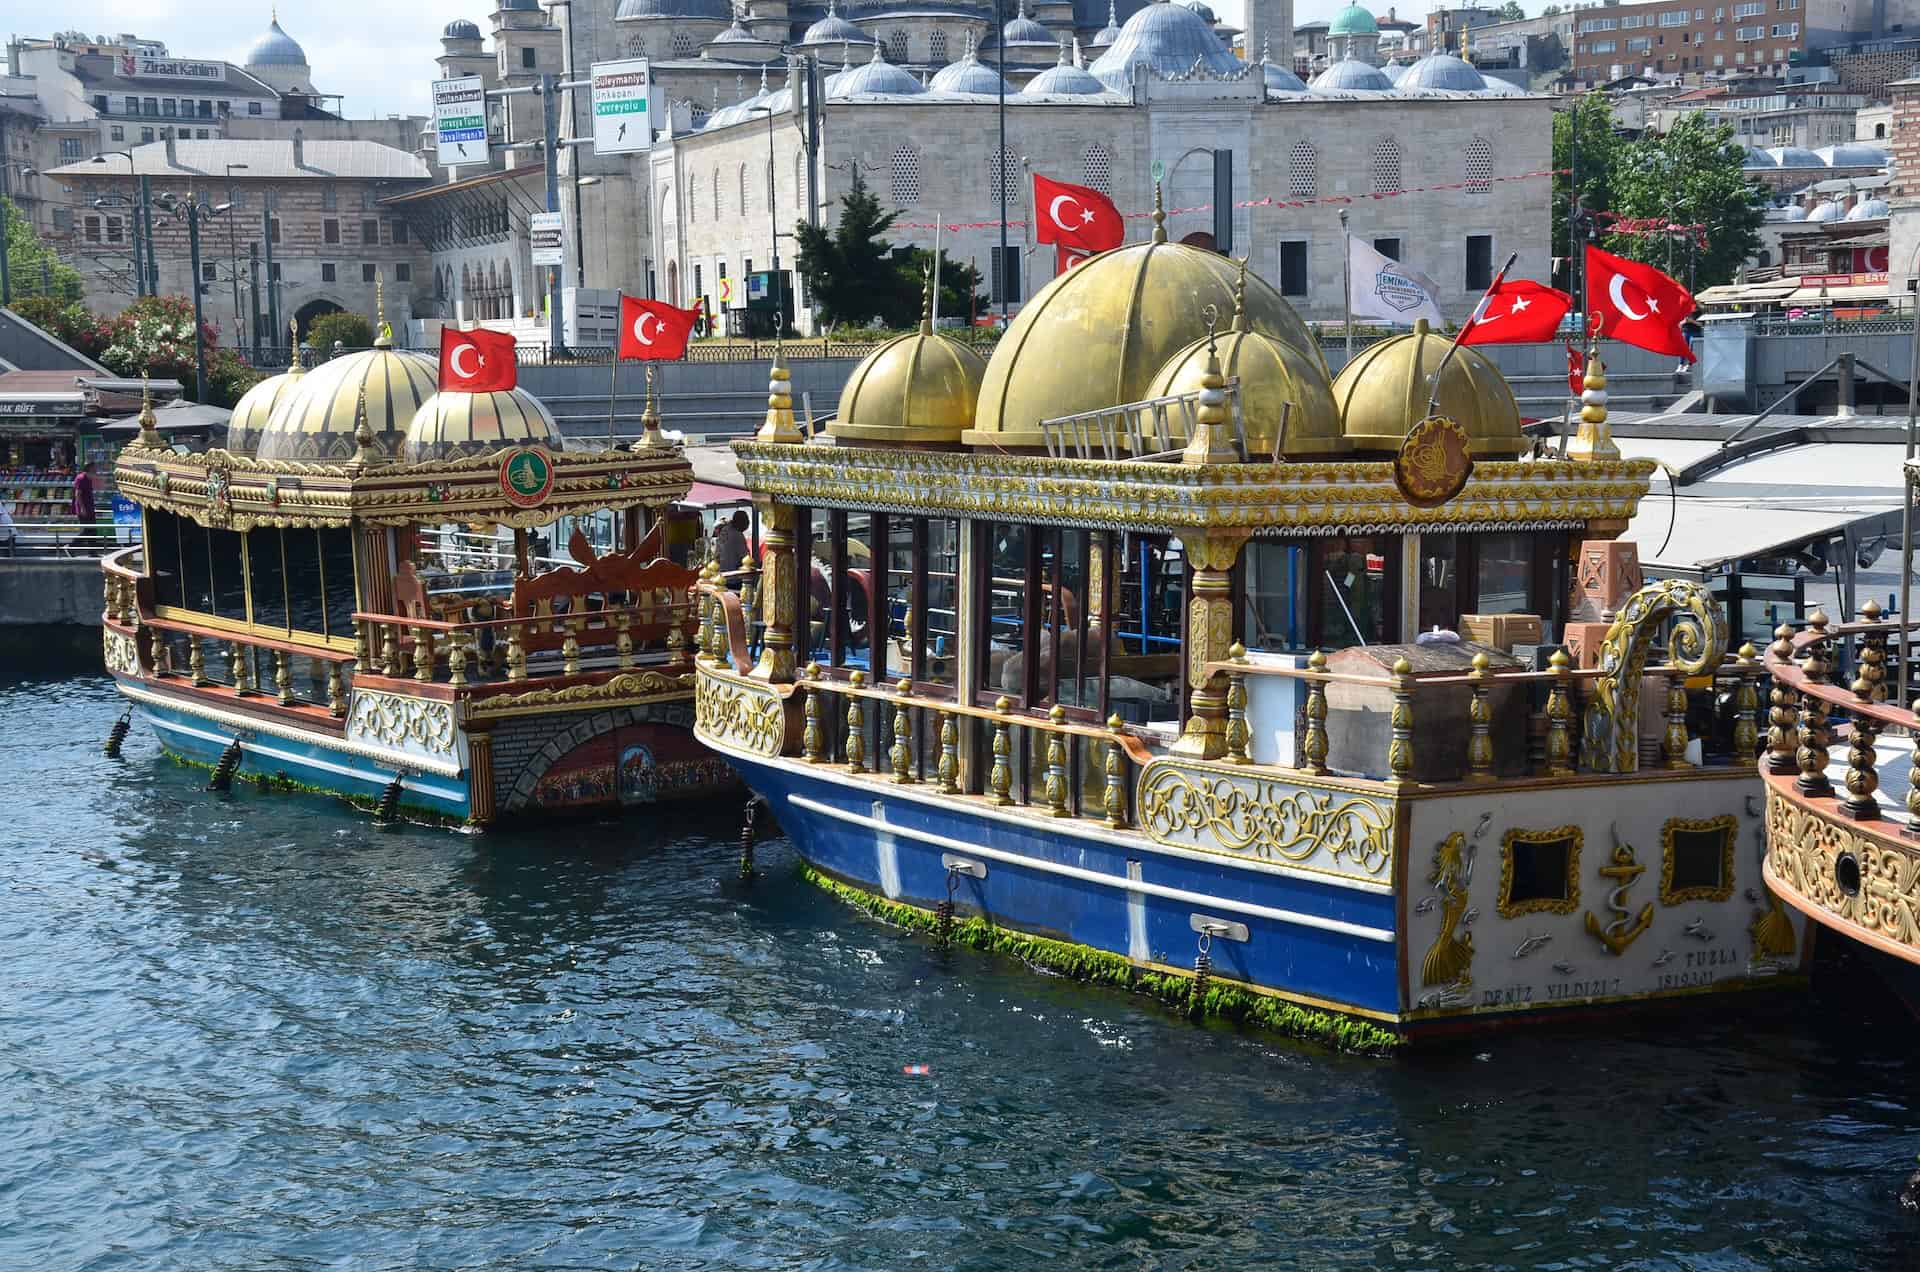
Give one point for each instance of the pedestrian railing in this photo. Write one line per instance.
(57, 539)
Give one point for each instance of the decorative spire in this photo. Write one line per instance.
(926, 302)
(382, 334)
(293, 348)
(1159, 215)
(1210, 443)
(1063, 54)
(364, 455)
(763, 79)
(149, 430)
(876, 53)
(969, 57)
(1594, 441)
(1240, 322)
(651, 438)
(779, 425)
(1113, 19)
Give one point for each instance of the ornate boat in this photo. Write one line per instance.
(353, 596)
(1105, 653)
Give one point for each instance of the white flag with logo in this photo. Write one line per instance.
(1388, 291)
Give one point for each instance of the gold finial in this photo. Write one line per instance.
(382, 333)
(1210, 443)
(1594, 440)
(1212, 314)
(149, 429)
(1159, 215)
(363, 453)
(1240, 322)
(779, 425)
(926, 301)
(296, 367)
(651, 438)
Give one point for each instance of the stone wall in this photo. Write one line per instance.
(36, 593)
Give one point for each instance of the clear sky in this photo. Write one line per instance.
(378, 53)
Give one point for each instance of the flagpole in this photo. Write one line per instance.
(936, 271)
(613, 363)
(1346, 279)
(1032, 232)
(1433, 400)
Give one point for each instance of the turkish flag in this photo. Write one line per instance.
(1637, 304)
(1517, 311)
(1065, 258)
(1576, 371)
(477, 361)
(1074, 216)
(651, 330)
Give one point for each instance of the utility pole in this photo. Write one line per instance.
(550, 125)
(253, 292)
(199, 333)
(266, 242)
(1000, 159)
(233, 249)
(146, 217)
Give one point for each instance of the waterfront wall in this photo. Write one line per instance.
(38, 592)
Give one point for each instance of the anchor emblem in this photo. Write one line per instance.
(1623, 929)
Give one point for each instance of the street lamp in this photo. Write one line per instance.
(146, 281)
(189, 207)
(773, 231)
(233, 250)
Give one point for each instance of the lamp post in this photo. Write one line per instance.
(146, 273)
(189, 207)
(233, 251)
(773, 231)
(1000, 160)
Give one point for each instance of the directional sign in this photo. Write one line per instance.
(460, 120)
(547, 236)
(620, 101)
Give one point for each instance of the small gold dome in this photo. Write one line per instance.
(316, 419)
(1384, 392)
(255, 407)
(455, 425)
(916, 388)
(1271, 374)
(1096, 335)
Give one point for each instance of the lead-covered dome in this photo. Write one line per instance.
(1021, 29)
(970, 75)
(918, 388)
(255, 408)
(1351, 75)
(316, 419)
(1441, 71)
(1167, 39)
(834, 29)
(1794, 157)
(1353, 20)
(1868, 210)
(276, 48)
(457, 425)
(1279, 79)
(1825, 210)
(1097, 335)
(1065, 79)
(460, 29)
(631, 10)
(1385, 390)
(877, 77)
(1852, 154)
(1105, 37)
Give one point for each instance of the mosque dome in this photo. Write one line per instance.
(1107, 34)
(1794, 212)
(1200, 7)
(921, 387)
(1021, 29)
(1795, 157)
(1350, 75)
(276, 48)
(460, 29)
(1067, 79)
(1384, 391)
(1868, 210)
(255, 407)
(316, 419)
(629, 10)
(1852, 154)
(1441, 71)
(458, 425)
(1756, 158)
(519, 6)
(1494, 86)
(1097, 335)
(834, 29)
(1396, 71)
(1281, 80)
(969, 75)
(737, 34)
(1272, 374)
(1825, 210)
(878, 76)
(1168, 39)
(742, 109)
(1353, 20)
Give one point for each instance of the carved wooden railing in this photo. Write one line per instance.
(570, 643)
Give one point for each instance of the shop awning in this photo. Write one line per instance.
(707, 494)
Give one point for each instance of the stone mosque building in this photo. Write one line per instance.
(1434, 164)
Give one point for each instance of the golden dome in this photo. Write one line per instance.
(1385, 390)
(917, 388)
(1271, 374)
(1096, 335)
(455, 425)
(316, 419)
(251, 412)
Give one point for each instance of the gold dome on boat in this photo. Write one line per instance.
(921, 387)
(1272, 374)
(316, 420)
(1096, 336)
(1385, 390)
(255, 407)
(456, 425)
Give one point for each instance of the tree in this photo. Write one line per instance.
(1691, 176)
(1583, 139)
(33, 268)
(350, 330)
(849, 271)
(1552, 11)
(68, 321)
(1512, 12)
(960, 282)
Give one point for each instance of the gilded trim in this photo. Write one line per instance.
(741, 712)
(628, 689)
(1729, 826)
(1803, 849)
(1509, 909)
(1241, 813)
(245, 726)
(398, 720)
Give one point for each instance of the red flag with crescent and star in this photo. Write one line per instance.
(1076, 217)
(652, 330)
(1636, 304)
(477, 361)
(1517, 311)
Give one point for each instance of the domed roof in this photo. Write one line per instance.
(1825, 210)
(969, 75)
(460, 29)
(1067, 79)
(1868, 210)
(1396, 71)
(1200, 8)
(317, 418)
(740, 110)
(519, 6)
(1107, 34)
(1794, 212)
(1494, 86)
(1168, 39)
(1272, 374)
(1021, 29)
(718, 10)
(878, 76)
(1753, 157)
(915, 388)
(1795, 157)
(1441, 70)
(1353, 20)
(737, 34)
(834, 29)
(1096, 335)
(1853, 154)
(1384, 391)
(1350, 75)
(456, 425)
(1281, 80)
(276, 48)
(251, 412)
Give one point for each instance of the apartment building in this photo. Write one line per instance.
(1693, 38)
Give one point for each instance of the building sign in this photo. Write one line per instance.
(1843, 280)
(460, 120)
(547, 235)
(133, 66)
(621, 122)
(71, 406)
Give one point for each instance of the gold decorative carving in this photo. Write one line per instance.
(1231, 810)
(1727, 825)
(122, 655)
(1449, 960)
(1510, 909)
(1802, 848)
(1624, 928)
(395, 720)
(739, 713)
(1698, 636)
(625, 689)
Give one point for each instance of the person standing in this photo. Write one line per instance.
(730, 544)
(83, 508)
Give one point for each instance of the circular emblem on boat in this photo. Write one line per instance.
(526, 476)
(1433, 463)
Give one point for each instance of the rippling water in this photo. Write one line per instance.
(256, 1033)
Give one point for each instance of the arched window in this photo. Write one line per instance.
(937, 54)
(1303, 171)
(1003, 177)
(637, 46)
(506, 287)
(1096, 168)
(744, 206)
(1879, 132)
(1764, 259)
(666, 204)
(906, 175)
(693, 198)
(898, 47)
(683, 44)
(716, 194)
(1383, 167)
(1479, 166)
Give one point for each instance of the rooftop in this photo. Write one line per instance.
(265, 160)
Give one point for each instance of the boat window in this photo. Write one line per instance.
(1506, 573)
(336, 579)
(819, 549)
(196, 583)
(1539, 872)
(1010, 555)
(267, 578)
(1698, 860)
(226, 566)
(1073, 622)
(904, 536)
(1276, 590)
(937, 606)
(1356, 591)
(1145, 664)
(300, 552)
(162, 538)
(1443, 576)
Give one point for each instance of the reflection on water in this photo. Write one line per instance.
(255, 1032)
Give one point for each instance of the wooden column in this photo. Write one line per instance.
(779, 602)
(1210, 559)
(479, 777)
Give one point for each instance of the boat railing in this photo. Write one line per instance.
(1150, 429)
(575, 640)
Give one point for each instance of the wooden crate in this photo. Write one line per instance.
(1501, 631)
